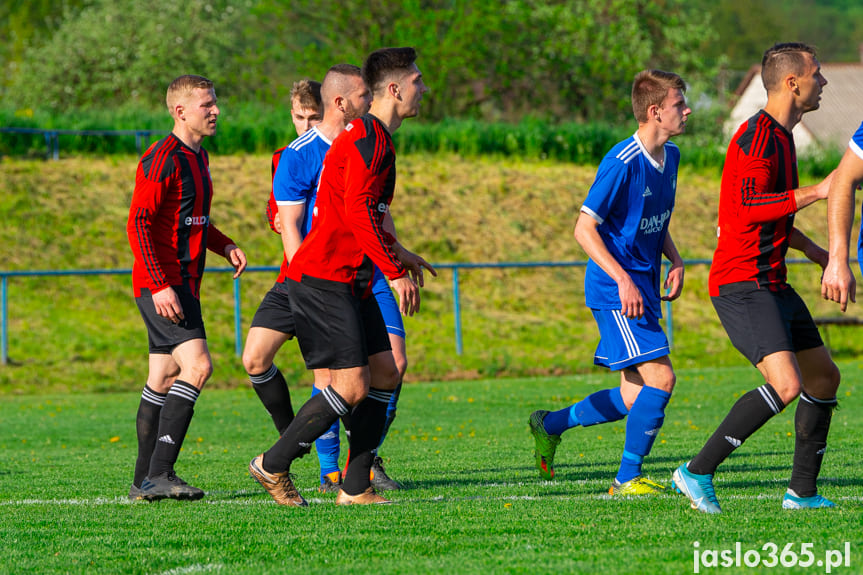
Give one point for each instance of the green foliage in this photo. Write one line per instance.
(474, 503)
(113, 54)
(568, 60)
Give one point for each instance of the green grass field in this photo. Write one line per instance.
(474, 502)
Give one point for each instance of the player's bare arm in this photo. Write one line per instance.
(674, 280)
(236, 258)
(587, 235)
(838, 283)
(811, 194)
(813, 252)
(292, 235)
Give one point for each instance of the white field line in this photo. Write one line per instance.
(197, 568)
(255, 497)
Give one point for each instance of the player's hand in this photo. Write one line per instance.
(408, 293)
(168, 305)
(631, 304)
(838, 284)
(277, 223)
(673, 282)
(413, 263)
(236, 258)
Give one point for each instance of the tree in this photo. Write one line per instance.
(126, 53)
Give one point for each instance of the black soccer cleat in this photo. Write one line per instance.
(169, 486)
(379, 478)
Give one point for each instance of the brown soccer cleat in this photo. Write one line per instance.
(278, 485)
(367, 497)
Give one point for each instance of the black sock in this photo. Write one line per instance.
(147, 424)
(811, 423)
(173, 425)
(367, 424)
(746, 417)
(311, 421)
(272, 389)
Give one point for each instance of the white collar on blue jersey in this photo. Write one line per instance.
(660, 166)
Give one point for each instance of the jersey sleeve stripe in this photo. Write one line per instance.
(592, 214)
(145, 245)
(856, 149)
(371, 206)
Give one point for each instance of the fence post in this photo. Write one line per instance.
(456, 310)
(238, 333)
(4, 317)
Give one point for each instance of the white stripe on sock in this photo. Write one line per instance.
(768, 399)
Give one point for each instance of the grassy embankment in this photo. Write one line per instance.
(74, 333)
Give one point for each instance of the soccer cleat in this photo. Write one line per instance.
(367, 497)
(636, 486)
(331, 483)
(794, 501)
(136, 493)
(278, 485)
(379, 478)
(546, 444)
(168, 486)
(698, 488)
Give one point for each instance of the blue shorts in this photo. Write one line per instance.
(388, 305)
(627, 342)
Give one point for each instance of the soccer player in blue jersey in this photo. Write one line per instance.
(838, 283)
(623, 227)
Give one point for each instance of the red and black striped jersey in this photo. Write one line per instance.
(169, 225)
(272, 208)
(356, 187)
(756, 206)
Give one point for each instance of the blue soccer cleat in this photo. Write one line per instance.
(698, 488)
(794, 501)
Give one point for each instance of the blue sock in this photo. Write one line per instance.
(642, 427)
(391, 414)
(599, 407)
(327, 446)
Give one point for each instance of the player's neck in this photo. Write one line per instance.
(653, 141)
(784, 112)
(387, 114)
(331, 130)
(191, 140)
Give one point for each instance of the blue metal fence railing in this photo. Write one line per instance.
(52, 137)
(238, 334)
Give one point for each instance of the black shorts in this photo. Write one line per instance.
(760, 322)
(275, 311)
(335, 328)
(163, 334)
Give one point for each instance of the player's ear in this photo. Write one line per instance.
(394, 90)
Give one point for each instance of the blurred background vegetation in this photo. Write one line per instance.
(545, 79)
(557, 61)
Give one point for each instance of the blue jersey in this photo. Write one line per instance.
(856, 146)
(298, 172)
(632, 199)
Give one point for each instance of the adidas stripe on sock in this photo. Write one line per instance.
(746, 416)
(173, 424)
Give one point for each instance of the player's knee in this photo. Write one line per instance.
(826, 383)
(253, 363)
(198, 373)
(788, 390)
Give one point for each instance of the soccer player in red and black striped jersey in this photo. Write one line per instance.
(169, 232)
(764, 317)
(338, 322)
